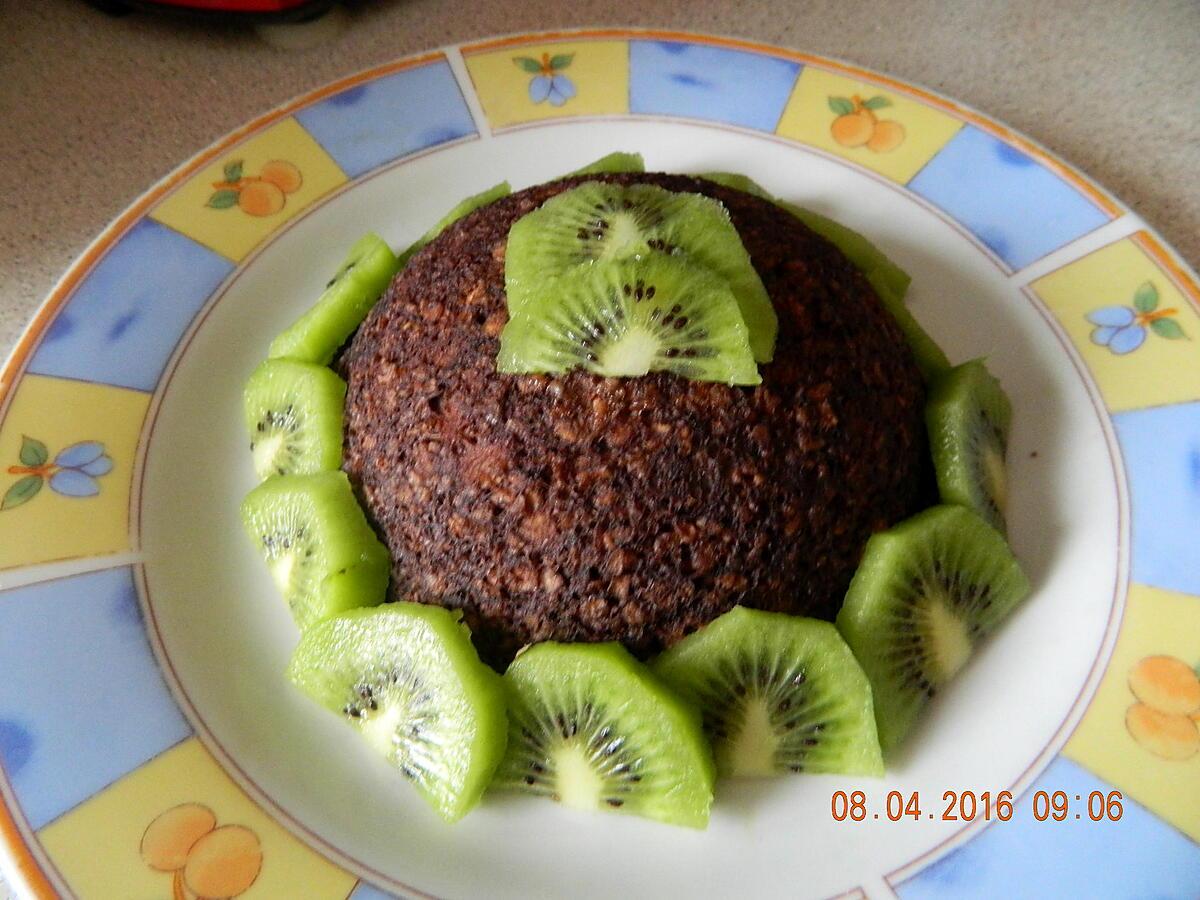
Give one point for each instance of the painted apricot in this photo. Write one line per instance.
(224, 862)
(260, 198)
(282, 174)
(1171, 737)
(888, 136)
(853, 129)
(168, 839)
(1166, 684)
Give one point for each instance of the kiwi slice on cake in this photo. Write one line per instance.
(592, 728)
(629, 317)
(460, 209)
(611, 164)
(323, 556)
(968, 416)
(778, 694)
(362, 278)
(408, 678)
(601, 222)
(926, 592)
(293, 411)
(883, 274)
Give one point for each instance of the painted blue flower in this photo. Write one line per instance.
(548, 84)
(72, 473)
(558, 89)
(1117, 329)
(1122, 329)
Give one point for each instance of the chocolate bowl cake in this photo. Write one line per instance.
(580, 508)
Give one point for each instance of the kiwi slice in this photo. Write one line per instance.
(469, 205)
(591, 727)
(968, 417)
(926, 592)
(612, 163)
(316, 336)
(407, 677)
(597, 221)
(293, 411)
(778, 694)
(883, 274)
(322, 554)
(630, 317)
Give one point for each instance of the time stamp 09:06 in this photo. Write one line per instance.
(967, 806)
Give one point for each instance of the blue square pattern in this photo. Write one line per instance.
(125, 318)
(701, 82)
(82, 701)
(1161, 447)
(371, 124)
(1013, 204)
(1135, 858)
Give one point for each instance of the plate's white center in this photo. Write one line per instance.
(229, 635)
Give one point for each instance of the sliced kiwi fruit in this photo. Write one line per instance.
(322, 554)
(469, 205)
(362, 278)
(629, 317)
(889, 281)
(883, 274)
(611, 164)
(293, 411)
(926, 592)
(778, 694)
(600, 222)
(408, 678)
(592, 728)
(968, 416)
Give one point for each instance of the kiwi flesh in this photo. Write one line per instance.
(322, 554)
(601, 222)
(889, 281)
(611, 164)
(293, 411)
(460, 209)
(407, 677)
(925, 594)
(629, 317)
(593, 729)
(358, 283)
(778, 694)
(968, 417)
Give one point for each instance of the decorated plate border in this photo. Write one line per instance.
(75, 412)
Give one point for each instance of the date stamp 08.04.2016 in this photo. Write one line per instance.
(968, 806)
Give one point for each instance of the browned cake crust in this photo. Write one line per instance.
(577, 508)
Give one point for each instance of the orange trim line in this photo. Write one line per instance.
(1164, 258)
(82, 265)
(25, 863)
(1095, 194)
(27, 868)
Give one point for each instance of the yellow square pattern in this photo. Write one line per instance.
(597, 72)
(40, 522)
(1163, 369)
(875, 127)
(251, 190)
(1140, 734)
(180, 822)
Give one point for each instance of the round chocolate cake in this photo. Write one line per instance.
(579, 508)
